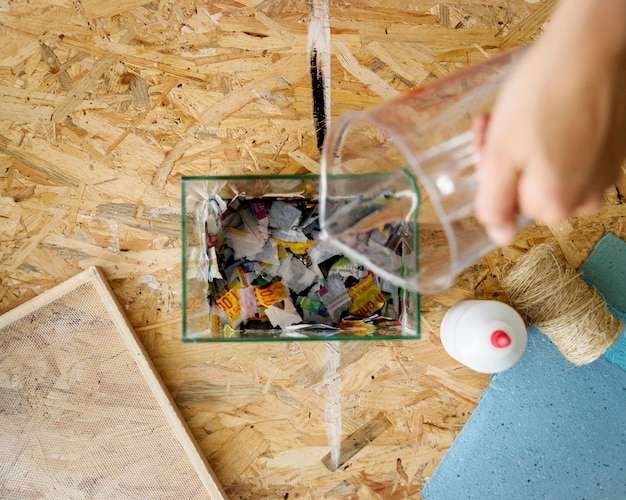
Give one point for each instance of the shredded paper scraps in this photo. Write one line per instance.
(267, 271)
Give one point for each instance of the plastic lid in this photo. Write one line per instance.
(500, 339)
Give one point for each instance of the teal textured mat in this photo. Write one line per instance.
(546, 428)
(605, 269)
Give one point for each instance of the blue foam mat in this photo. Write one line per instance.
(605, 269)
(545, 428)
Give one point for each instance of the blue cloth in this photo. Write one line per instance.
(546, 428)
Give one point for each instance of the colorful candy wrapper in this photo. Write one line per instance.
(258, 209)
(228, 300)
(249, 305)
(268, 295)
(214, 270)
(366, 298)
(296, 247)
(347, 269)
(311, 305)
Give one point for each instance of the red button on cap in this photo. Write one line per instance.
(500, 339)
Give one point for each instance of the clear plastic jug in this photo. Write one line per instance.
(413, 222)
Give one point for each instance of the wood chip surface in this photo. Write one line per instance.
(105, 105)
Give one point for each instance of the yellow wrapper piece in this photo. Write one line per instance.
(229, 331)
(366, 298)
(266, 296)
(216, 325)
(357, 328)
(262, 315)
(241, 276)
(296, 248)
(229, 301)
(282, 253)
(237, 232)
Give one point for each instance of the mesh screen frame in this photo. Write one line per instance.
(83, 412)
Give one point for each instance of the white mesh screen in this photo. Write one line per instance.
(77, 418)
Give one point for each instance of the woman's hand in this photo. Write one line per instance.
(556, 138)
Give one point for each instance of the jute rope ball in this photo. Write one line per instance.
(554, 297)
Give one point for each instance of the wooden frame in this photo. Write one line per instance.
(47, 340)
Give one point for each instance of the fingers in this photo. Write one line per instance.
(591, 205)
(505, 193)
(479, 128)
(549, 195)
(496, 202)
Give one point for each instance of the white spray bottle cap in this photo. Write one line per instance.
(485, 335)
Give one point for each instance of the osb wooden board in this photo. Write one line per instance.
(106, 104)
(83, 414)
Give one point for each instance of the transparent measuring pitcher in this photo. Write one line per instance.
(413, 222)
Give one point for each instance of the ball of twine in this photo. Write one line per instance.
(555, 298)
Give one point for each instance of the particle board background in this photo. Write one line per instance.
(82, 412)
(105, 105)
